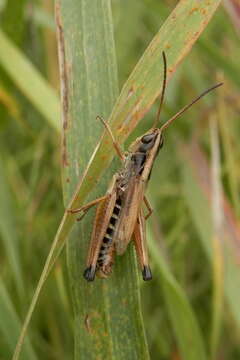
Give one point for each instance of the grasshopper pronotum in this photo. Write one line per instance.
(119, 215)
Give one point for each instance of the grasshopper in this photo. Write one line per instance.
(119, 215)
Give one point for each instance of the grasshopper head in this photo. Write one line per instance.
(146, 142)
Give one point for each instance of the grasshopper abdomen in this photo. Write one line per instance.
(101, 259)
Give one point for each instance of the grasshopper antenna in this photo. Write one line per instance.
(186, 107)
(163, 89)
(115, 143)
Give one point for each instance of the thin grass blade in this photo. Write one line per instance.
(29, 81)
(217, 239)
(197, 189)
(10, 325)
(188, 334)
(9, 235)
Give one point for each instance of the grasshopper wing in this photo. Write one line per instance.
(101, 222)
(132, 200)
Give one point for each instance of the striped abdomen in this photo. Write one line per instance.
(106, 253)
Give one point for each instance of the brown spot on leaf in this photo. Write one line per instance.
(193, 10)
(103, 157)
(64, 151)
(87, 324)
(196, 34)
(105, 334)
(130, 92)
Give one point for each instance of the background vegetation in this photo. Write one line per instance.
(197, 234)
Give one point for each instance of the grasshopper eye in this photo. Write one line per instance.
(147, 138)
(147, 142)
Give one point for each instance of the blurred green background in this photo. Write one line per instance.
(200, 238)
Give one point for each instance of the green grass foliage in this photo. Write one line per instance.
(190, 310)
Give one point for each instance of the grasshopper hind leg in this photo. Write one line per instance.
(89, 273)
(139, 237)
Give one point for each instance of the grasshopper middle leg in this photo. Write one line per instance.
(149, 208)
(86, 207)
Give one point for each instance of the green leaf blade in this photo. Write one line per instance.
(108, 321)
